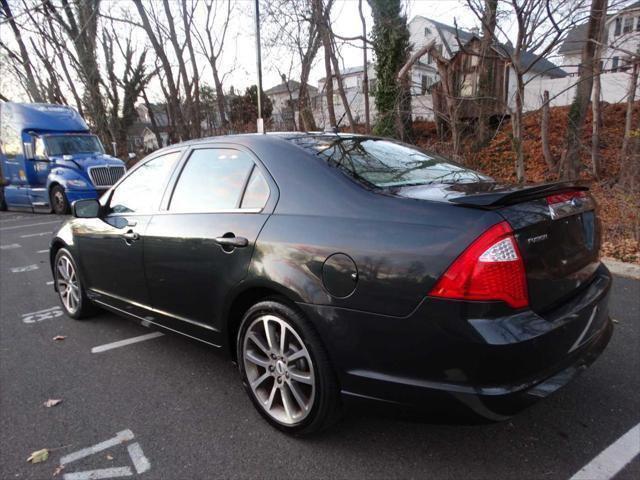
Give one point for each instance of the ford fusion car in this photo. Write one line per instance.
(332, 267)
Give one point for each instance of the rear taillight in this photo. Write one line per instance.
(490, 269)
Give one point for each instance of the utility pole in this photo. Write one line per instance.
(259, 66)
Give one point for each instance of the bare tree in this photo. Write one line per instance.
(31, 86)
(596, 119)
(79, 20)
(570, 162)
(540, 27)
(212, 45)
(291, 28)
(365, 71)
(629, 166)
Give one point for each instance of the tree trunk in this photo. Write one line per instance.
(544, 132)
(485, 71)
(365, 72)
(596, 120)
(516, 124)
(570, 163)
(343, 95)
(628, 164)
(328, 84)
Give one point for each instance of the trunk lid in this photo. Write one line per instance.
(555, 226)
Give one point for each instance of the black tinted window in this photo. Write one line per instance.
(142, 190)
(212, 180)
(257, 192)
(382, 163)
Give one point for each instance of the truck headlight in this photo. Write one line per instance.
(77, 183)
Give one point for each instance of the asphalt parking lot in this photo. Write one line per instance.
(171, 408)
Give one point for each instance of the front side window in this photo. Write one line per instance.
(141, 191)
(384, 164)
(212, 180)
(39, 151)
(72, 144)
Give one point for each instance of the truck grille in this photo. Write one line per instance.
(105, 176)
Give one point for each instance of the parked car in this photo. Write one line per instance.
(334, 266)
(49, 158)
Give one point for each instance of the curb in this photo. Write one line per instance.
(629, 270)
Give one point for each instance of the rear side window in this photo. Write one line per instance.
(385, 164)
(142, 190)
(212, 180)
(257, 192)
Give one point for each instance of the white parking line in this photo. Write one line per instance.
(46, 250)
(36, 234)
(10, 246)
(15, 227)
(123, 343)
(121, 437)
(28, 268)
(100, 474)
(613, 459)
(41, 315)
(50, 282)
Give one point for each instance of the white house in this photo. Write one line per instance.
(284, 100)
(622, 40)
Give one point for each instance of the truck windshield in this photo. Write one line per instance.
(71, 144)
(385, 164)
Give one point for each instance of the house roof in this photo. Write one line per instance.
(577, 35)
(348, 71)
(290, 85)
(540, 64)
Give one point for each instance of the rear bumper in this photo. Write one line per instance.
(442, 352)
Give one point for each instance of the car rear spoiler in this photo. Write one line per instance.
(516, 194)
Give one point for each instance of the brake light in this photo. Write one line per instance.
(566, 197)
(491, 268)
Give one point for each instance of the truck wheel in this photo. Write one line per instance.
(3, 202)
(59, 202)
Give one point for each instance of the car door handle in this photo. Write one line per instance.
(232, 242)
(131, 236)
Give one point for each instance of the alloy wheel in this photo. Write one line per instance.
(68, 284)
(279, 369)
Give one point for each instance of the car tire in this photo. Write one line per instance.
(59, 202)
(294, 388)
(71, 292)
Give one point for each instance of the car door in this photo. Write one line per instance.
(201, 245)
(111, 247)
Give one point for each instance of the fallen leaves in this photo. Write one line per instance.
(38, 456)
(59, 338)
(58, 470)
(52, 402)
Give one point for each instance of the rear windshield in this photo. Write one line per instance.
(385, 164)
(71, 144)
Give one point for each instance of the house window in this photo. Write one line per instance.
(618, 29)
(638, 25)
(614, 65)
(427, 31)
(628, 25)
(372, 86)
(424, 85)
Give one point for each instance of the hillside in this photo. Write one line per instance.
(619, 210)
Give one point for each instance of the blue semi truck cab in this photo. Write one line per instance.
(49, 158)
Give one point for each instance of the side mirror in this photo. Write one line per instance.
(87, 208)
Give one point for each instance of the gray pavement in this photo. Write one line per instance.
(183, 405)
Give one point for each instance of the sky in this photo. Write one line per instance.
(238, 61)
